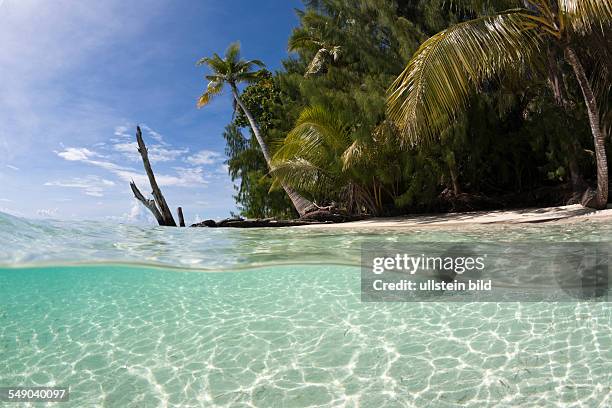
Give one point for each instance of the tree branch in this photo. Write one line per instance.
(150, 204)
(158, 205)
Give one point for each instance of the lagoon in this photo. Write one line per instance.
(273, 318)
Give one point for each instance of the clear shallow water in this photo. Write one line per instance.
(275, 330)
(52, 242)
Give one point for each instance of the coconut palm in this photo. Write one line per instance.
(231, 71)
(439, 78)
(320, 155)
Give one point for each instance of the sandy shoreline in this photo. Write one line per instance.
(561, 214)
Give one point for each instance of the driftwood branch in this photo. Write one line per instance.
(158, 205)
(150, 204)
(316, 217)
(180, 216)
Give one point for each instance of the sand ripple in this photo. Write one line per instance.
(290, 337)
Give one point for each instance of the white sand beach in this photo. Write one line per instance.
(567, 213)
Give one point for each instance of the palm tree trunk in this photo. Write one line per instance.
(300, 203)
(601, 195)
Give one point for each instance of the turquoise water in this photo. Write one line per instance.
(130, 316)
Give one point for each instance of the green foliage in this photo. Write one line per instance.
(320, 156)
(229, 70)
(499, 130)
(246, 162)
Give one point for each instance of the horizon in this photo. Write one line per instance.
(78, 79)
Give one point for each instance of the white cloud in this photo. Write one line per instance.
(137, 214)
(129, 131)
(122, 131)
(64, 37)
(128, 149)
(10, 166)
(185, 177)
(76, 154)
(160, 154)
(69, 41)
(5, 200)
(204, 157)
(91, 185)
(157, 153)
(47, 212)
(155, 135)
(191, 176)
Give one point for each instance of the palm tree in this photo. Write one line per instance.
(437, 81)
(231, 71)
(321, 156)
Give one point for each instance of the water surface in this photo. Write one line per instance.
(131, 316)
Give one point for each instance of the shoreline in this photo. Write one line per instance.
(560, 214)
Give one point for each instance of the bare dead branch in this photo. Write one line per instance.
(158, 205)
(150, 204)
(180, 216)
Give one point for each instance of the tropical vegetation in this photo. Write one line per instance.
(394, 106)
(232, 70)
(508, 46)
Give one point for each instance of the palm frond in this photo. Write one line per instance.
(250, 64)
(301, 39)
(436, 84)
(481, 6)
(310, 157)
(215, 78)
(243, 70)
(355, 153)
(213, 89)
(215, 63)
(231, 70)
(248, 77)
(316, 127)
(302, 175)
(583, 16)
(232, 54)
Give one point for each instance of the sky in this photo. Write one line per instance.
(76, 77)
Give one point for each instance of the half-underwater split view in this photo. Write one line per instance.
(305, 203)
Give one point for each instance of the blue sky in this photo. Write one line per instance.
(77, 76)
